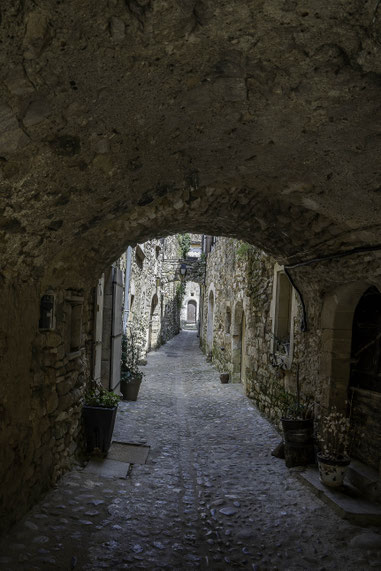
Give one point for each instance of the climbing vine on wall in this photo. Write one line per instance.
(184, 244)
(180, 292)
(243, 249)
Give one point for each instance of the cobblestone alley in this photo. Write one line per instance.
(210, 496)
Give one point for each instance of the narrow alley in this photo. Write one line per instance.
(210, 495)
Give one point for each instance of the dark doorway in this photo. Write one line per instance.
(191, 311)
(366, 342)
(365, 379)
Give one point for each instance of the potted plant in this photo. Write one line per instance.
(224, 378)
(130, 374)
(298, 425)
(99, 412)
(297, 414)
(333, 436)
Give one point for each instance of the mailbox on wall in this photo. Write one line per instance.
(47, 312)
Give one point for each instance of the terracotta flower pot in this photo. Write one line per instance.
(332, 472)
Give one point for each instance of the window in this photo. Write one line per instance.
(282, 307)
(139, 255)
(73, 318)
(130, 313)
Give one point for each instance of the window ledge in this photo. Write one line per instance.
(74, 354)
(283, 361)
(366, 392)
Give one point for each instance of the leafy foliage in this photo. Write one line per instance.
(333, 435)
(243, 249)
(184, 244)
(180, 292)
(290, 406)
(102, 398)
(131, 349)
(337, 433)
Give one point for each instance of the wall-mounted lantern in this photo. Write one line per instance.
(183, 270)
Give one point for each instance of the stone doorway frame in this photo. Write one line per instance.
(336, 340)
(238, 320)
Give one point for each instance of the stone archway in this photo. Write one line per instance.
(93, 160)
(336, 327)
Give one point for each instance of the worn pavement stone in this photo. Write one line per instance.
(210, 496)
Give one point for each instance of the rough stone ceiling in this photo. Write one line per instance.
(125, 119)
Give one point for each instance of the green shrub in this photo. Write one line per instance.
(102, 398)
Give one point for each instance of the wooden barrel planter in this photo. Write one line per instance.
(298, 442)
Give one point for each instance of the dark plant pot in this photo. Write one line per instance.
(224, 378)
(298, 431)
(298, 442)
(130, 390)
(99, 425)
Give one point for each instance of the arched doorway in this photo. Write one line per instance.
(365, 378)
(191, 311)
(210, 323)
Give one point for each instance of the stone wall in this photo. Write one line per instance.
(40, 434)
(240, 280)
(41, 401)
(153, 297)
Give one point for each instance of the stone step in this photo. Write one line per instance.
(365, 479)
(190, 326)
(347, 501)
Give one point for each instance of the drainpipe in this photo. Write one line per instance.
(113, 282)
(127, 288)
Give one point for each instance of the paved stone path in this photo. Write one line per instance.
(210, 496)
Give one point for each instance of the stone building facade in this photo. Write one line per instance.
(140, 290)
(256, 329)
(152, 290)
(193, 280)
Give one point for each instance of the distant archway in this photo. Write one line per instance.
(192, 311)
